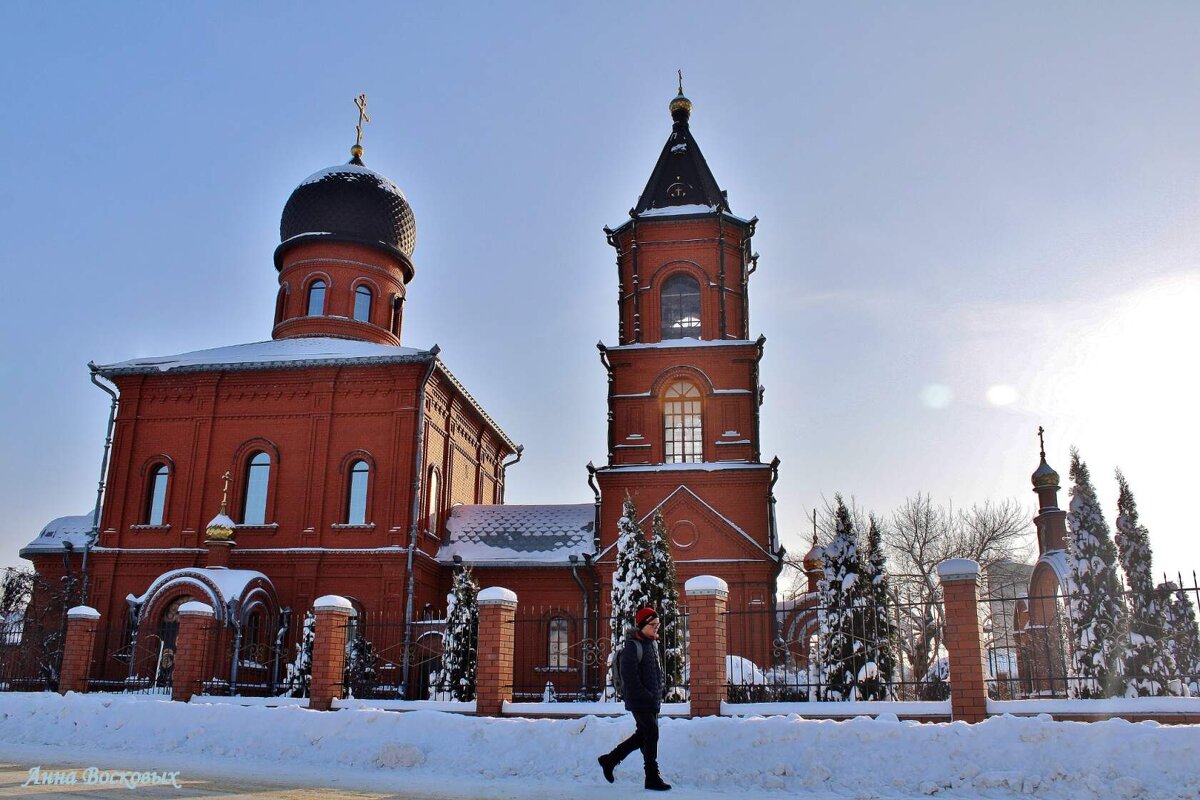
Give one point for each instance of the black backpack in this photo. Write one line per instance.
(617, 681)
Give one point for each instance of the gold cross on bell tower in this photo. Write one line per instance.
(679, 72)
(361, 102)
(225, 492)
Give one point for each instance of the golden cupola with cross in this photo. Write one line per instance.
(347, 236)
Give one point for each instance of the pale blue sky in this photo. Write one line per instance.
(982, 197)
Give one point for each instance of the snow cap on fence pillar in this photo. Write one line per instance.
(496, 595)
(333, 602)
(958, 569)
(83, 612)
(194, 608)
(706, 585)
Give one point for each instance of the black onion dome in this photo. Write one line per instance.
(349, 203)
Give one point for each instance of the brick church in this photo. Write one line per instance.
(333, 459)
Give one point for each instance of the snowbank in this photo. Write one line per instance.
(468, 756)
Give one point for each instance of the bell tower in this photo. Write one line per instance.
(683, 380)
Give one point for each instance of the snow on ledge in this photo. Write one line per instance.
(196, 607)
(955, 569)
(496, 594)
(1112, 705)
(829, 710)
(256, 702)
(83, 612)
(332, 602)
(705, 584)
(598, 709)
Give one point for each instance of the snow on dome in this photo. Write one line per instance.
(345, 171)
(75, 530)
(706, 584)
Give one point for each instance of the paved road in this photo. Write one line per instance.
(14, 775)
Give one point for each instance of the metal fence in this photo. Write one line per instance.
(30, 656)
(562, 654)
(1029, 645)
(377, 667)
(800, 651)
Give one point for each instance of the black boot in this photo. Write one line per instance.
(608, 763)
(655, 782)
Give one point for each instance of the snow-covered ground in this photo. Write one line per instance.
(453, 755)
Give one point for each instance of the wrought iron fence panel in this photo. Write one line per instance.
(788, 653)
(389, 659)
(562, 655)
(30, 655)
(1029, 641)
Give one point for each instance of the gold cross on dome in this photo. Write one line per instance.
(225, 491)
(1041, 440)
(361, 102)
(680, 73)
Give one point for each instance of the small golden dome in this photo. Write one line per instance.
(220, 529)
(814, 559)
(1044, 476)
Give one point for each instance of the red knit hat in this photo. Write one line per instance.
(643, 616)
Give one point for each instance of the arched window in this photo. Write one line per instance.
(682, 441)
(681, 308)
(432, 501)
(356, 502)
(156, 495)
(316, 298)
(559, 646)
(258, 477)
(362, 303)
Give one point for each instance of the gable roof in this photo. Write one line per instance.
(684, 493)
(510, 535)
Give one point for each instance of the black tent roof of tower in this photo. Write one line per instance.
(349, 203)
(681, 179)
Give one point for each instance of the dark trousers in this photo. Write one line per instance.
(645, 738)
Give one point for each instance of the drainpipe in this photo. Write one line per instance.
(637, 280)
(611, 237)
(418, 469)
(591, 468)
(608, 368)
(721, 271)
(758, 388)
(504, 470)
(591, 566)
(108, 437)
(771, 496)
(586, 613)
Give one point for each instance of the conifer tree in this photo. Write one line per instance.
(631, 587)
(665, 594)
(880, 669)
(299, 672)
(459, 643)
(1096, 599)
(1182, 635)
(842, 650)
(1149, 665)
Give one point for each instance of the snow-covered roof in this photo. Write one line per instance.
(219, 585)
(349, 172)
(507, 535)
(308, 351)
(75, 530)
(272, 354)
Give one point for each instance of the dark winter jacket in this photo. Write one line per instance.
(642, 681)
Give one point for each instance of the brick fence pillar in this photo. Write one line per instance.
(191, 649)
(494, 667)
(332, 616)
(706, 600)
(82, 622)
(964, 639)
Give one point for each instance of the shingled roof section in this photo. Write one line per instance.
(681, 177)
(507, 535)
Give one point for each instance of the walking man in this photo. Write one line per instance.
(641, 687)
